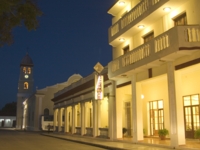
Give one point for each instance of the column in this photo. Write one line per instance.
(134, 109)
(98, 116)
(66, 121)
(111, 111)
(94, 103)
(172, 104)
(38, 112)
(19, 111)
(73, 119)
(61, 119)
(139, 113)
(82, 118)
(180, 113)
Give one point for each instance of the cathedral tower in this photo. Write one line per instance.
(25, 87)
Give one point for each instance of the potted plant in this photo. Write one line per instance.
(124, 130)
(162, 133)
(197, 134)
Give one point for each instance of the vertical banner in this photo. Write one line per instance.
(99, 87)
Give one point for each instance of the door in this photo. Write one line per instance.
(156, 116)
(128, 117)
(191, 115)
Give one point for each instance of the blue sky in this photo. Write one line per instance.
(72, 38)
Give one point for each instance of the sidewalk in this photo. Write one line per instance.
(112, 145)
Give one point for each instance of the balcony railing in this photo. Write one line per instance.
(138, 11)
(173, 40)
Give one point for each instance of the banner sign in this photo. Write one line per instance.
(99, 94)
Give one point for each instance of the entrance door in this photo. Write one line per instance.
(156, 116)
(191, 115)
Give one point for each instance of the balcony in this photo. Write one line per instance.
(146, 12)
(170, 45)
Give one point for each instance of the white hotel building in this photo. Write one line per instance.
(152, 81)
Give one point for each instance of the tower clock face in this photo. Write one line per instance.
(26, 76)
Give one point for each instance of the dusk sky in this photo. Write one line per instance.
(72, 38)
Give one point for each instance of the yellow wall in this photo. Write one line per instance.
(104, 112)
(155, 89)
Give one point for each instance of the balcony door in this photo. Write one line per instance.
(156, 116)
(191, 115)
(128, 117)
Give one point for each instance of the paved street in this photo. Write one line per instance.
(19, 140)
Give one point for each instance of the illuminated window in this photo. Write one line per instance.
(148, 37)
(181, 20)
(25, 85)
(24, 69)
(191, 113)
(29, 70)
(191, 100)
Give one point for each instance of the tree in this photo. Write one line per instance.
(17, 13)
(9, 109)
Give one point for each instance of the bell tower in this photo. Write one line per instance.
(25, 87)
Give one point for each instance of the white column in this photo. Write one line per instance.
(111, 111)
(134, 109)
(139, 106)
(172, 105)
(73, 119)
(94, 103)
(61, 118)
(180, 113)
(40, 111)
(19, 112)
(67, 120)
(98, 116)
(65, 127)
(82, 118)
(118, 117)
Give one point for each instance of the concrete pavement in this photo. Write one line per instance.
(107, 144)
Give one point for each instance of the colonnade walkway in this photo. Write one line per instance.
(125, 144)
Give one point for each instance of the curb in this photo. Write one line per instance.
(87, 143)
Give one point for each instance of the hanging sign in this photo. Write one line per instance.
(99, 87)
(99, 82)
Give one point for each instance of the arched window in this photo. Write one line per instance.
(46, 112)
(25, 85)
(29, 70)
(24, 69)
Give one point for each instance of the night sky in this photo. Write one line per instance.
(72, 38)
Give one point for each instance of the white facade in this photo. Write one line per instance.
(153, 77)
(156, 63)
(25, 87)
(76, 111)
(39, 104)
(7, 121)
